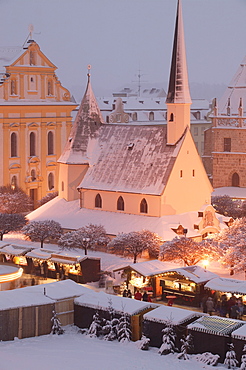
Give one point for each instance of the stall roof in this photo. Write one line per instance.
(16, 298)
(227, 285)
(240, 333)
(177, 316)
(147, 268)
(215, 325)
(3, 243)
(41, 254)
(196, 274)
(121, 305)
(67, 258)
(15, 250)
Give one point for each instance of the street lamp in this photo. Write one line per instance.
(205, 264)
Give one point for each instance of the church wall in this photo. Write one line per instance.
(70, 176)
(188, 187)
(178, 117)
(131, 202)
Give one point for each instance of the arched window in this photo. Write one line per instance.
(120, 204)
(235, 179)
(33, 175)
(13, 145)
(134, 116)
(13, 182)
(98, 201)
(144, 206)
(151, 116)
(13, 87)
(171, 117)
(51, 181)
(32, 144)
(50, 87)
(50, 143)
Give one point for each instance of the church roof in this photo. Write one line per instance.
(84, 131)
(131, 158)
(235, 91)
(178, 91)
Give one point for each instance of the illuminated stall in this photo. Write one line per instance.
(14, 253)
(228, 287)
(10, 277)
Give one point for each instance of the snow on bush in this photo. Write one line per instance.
(56, 325)
(230, 359)
(168, 339)
(208, 358)
(186, 347)
(143, 343)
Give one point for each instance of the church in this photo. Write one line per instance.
(35, 119)
(127, 176)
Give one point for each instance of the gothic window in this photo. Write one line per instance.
(151, 116)
(171, 117)
(193, 173)
(144, 206)
(235, 179)
(98, 201)
(51, 181)
(32, 144)
(13, 87)
(33, 175)
(13, 145)
(181, 173)
(13, 182)
(227, 144)
(50, 87)
(50, 143)
(120, 204)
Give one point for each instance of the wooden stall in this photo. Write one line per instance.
(159, 318)
(212, 334)
(238, 338)
(15, 253)
(85, 307)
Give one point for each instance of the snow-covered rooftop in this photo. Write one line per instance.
(231, 191)
(148, 268)
(215, 325)
(176, 315)
(239, 333)
(195, 273)
(120, 304)
(6, 269)
(15, 250)
(227, 285)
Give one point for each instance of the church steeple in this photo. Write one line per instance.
(178, 98)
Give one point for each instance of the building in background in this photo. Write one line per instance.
(35, 119)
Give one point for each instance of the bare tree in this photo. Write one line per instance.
(41, 230)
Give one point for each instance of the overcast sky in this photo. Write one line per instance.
(117, 37)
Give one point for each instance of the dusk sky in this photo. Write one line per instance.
(117, 37)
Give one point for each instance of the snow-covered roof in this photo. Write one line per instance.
(176, 315)
(71, 216)
(22, 298)
(227, 285)
(147, 268)
(6, 269)
(197, 274)
(215, 325)
(15, 250)
(3, 243)
(231, 191)
(239, 333)
(120, 304)
(69, 258)
(41, 254)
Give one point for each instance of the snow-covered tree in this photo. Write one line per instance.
(47, 198)
(186, 347)
(124, 329)
(243, 359)
(187, 250)
(84, 238)
(168, 339)
(110, 328)
(56, 324)
(41, 230)
(143, 343)
(95, 327)
(135, 243)
(230, 359)
(11, 222)
(14, 200)
(226, 206)
(208, 358)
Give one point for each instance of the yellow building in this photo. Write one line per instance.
(35, 120)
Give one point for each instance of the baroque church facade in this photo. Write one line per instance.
(35, 120)
(130, 177)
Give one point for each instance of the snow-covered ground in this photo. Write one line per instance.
(73, 350)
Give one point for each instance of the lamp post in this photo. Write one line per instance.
(205, 264)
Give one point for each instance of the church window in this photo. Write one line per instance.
(227, 144)
(151, 116)
(32, 144)
(98, 201)
(13, 145)
(235, 179)
(171, 117)
(13, 87)
(181, 173)
(135, 116)
(144, 206)
(33, 175)
(50, 143)
(50, 87)
(51, 181)
(120, 204)
(13, 182)
(193, 173)
(62, 185)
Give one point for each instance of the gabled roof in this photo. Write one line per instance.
(84, 131)
(132, 159)
(178, 90)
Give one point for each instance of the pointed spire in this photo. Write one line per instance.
(85, 128)
(178, 91)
